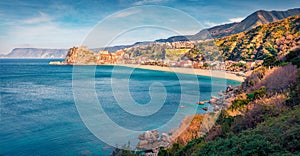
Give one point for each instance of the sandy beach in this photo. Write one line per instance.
(210, 73)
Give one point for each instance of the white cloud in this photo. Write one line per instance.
(143, 2)
(237, 19)
(41, 18)
(126, 13)
(41, 32)
(44, 35)
(208, 24)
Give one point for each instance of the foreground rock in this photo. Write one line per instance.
(151, 140)
(225, 98)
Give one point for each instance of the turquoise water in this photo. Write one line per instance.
(39, 116)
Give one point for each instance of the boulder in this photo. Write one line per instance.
(142, 137)
(150, 140)
(229, 88)
(142, 144)
(155, 133)
(220, 94)
(212, 101)
(216, 109)
(200, 103)
(213, 97)
(147, 135)
(165, 137)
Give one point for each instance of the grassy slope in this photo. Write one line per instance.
(269, 125)
(275, 39)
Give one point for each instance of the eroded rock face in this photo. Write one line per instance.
(83, 56)
(80, 55)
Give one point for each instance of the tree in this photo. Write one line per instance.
(270, 61)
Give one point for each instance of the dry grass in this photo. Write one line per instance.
(277, 80)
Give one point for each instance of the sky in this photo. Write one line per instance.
(68, 23)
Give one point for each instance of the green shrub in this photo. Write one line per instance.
(283, 63)
(250, 96)
(259, 93)
(294, 57)
(271, 60)
(278, 135)
(238, 103)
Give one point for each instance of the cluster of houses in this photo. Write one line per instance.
(104, 57)
(233, 66)
(81, 55)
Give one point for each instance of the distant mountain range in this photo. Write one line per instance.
(36, 53)
(51, 53)
(257, 18)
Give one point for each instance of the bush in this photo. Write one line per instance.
(294, 57)
(254, 78)
(238, 104)
(257, 94)
(276, 136)
(278, 80)
(270, 61)
(294, 98)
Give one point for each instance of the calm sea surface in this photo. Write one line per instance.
(39, 115)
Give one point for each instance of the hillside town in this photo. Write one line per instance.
(170, 54)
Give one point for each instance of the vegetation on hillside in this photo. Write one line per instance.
(272, 39)
(267, 106)
(268, 122)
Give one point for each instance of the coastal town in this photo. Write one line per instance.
(150, 78)
(171, 54)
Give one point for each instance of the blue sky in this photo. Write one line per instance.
(66, 23)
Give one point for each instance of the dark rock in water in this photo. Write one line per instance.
(200, 103)
(229, 88)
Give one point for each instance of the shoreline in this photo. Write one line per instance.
(200, 72)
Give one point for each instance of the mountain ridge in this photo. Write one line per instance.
(253, 20)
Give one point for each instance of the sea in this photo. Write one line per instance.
(43, 107)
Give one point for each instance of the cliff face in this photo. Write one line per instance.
(83, 56)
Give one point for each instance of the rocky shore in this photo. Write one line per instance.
(225, 98)
(191, 126)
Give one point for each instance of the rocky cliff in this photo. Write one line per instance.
(83, 56)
